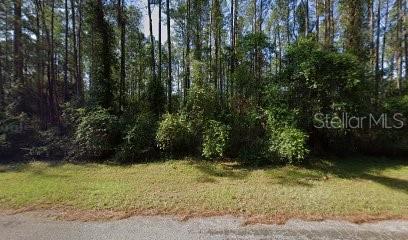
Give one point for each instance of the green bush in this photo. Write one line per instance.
(202, 103)
(50, 144)
(247, 141)
(174, 134)
(97, 134)
(71, 117)
(285, 140)
(17, 134)
(215, 139)
(139, 139)
(289, 144)
(318, 80)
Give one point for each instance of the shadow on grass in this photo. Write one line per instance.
(25, 166)
(365, 168)
(394, 183)
(293, 176)
(35, 172)
(219, 170)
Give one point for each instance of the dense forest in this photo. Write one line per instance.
(254, 80)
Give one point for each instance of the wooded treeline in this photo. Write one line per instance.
(222, 60)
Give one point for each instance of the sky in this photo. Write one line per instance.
(155, 21)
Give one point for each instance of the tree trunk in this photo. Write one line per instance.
(288, 34)
(370, 4)
(399, 44)
(51, 79)
(122, 26)
(1, 82)
(160, 43)
(406, 40)
(210, 38)
(307, 18)
(75, 49)
(151, 42)
(40, 66)
(187, 57)
(80, 85)
(169, 77)
(232, 39)
(6, 47)
(216, 29)
(196, 23)
(235, 38)
(317, 20)
(255, 51)
(66, 53)
(280, 49)
(18, 53)
(327, 23)
(377, 52)
(384, 37)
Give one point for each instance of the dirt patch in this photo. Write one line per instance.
(67, 213)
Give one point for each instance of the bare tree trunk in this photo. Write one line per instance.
(216, 29)
(377, 52)
(151, 41)
(280, 49)
(371, 32)
(317, 20)
(66, 53)
(75, 54)
(406, 40)
(327, 23)
(6, 47)
(210, 37)
(40, 65)
(1, 81)
(234, 49)
(288, 34)
(399, 44)
(254, 30)
(258, 55)
(307, 18)
(80, 87)
(160, 42)
(384, 37)
(51, 79)
(232, 40)
(187, 57)
(169, 77)
(18, 53)
(122, 26)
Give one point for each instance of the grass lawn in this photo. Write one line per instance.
(359, 188)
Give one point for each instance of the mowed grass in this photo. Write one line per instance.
(327, 188)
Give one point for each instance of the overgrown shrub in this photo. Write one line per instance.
(318, 80)
(285, 140)
(247, 135)
(71, 118)
(202, 103)
(289, 144)
(50, 144)
(174, 134)
(138, 140)
(17, 134)
(388, 141)
(97, 134)
(215, 139)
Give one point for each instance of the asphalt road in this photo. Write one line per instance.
(32, 227)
